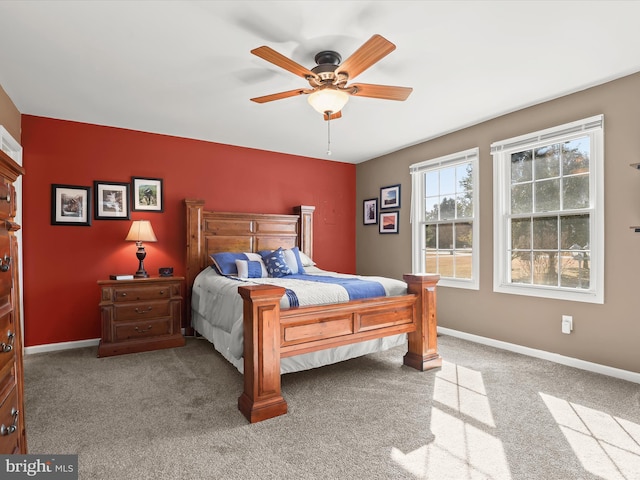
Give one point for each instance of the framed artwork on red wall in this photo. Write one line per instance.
(147, 194)
(70, 205)
(111, 200)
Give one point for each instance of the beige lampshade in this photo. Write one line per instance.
(328, 100)
(141, 231)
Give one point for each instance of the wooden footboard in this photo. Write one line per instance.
(272, 333)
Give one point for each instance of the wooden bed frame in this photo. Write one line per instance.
(271, 333)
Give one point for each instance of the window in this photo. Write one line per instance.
(549, 213)
(445, 218)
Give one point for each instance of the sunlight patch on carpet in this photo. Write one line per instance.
(607, 446)
(462, 389)
(464, 446)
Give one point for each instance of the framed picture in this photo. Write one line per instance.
(147, 194)
(370, 211)
(70, 205)
(389, 222)
(111, 200)
(390, 197)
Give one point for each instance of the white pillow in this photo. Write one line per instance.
(306, 261)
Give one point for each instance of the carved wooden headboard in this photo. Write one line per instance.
(211, 232)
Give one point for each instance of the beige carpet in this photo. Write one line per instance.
(487, 414)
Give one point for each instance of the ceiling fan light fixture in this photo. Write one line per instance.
(328, 100)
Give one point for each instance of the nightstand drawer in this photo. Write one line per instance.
(141, 293)
(153, 328)
(142, 311)
(10, 435)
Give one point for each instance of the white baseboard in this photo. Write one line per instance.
(512, 347)
(52, 347)
(552, 357)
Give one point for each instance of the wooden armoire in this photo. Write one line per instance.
(12, 428)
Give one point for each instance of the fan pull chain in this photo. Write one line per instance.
(328, 133)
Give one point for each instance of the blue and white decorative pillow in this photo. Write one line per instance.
(276, 264)
(251, 269)
(292, 257)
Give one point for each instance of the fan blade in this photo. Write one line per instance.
(384, 92)
(373, 50)
(278, 96)
(270, 55)
(333, 116)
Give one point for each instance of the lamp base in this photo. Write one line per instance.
(140, 254)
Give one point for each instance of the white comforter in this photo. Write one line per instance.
(217, 314)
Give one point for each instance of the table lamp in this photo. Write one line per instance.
(141, 231)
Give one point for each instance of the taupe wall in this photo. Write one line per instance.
(607, 334)
(9, 115)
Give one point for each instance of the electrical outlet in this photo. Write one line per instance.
(567, 323)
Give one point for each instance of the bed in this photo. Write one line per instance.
(277, 338)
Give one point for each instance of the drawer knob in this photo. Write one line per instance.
(7, 198)
(142, 311)
(142, 330)
(5, 263)
(4, 430)
(7, 347)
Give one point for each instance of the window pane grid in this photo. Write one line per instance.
(448, 250)
(444, 218)
(448, 197)
(448, 192)
(550, 250)
(551, 177)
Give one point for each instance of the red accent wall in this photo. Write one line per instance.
(63, 263)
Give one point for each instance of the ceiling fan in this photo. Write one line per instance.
(329, 90)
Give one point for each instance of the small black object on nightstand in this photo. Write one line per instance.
(166, 271)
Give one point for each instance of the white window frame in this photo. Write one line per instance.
(501, 151)
(418, 214)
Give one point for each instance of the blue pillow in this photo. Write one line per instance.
(276, 264)
(225, 262)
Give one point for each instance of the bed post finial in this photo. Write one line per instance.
(305, 228)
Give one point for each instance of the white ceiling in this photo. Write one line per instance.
(183, 68)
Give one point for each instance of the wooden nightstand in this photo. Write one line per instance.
(140, 315)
